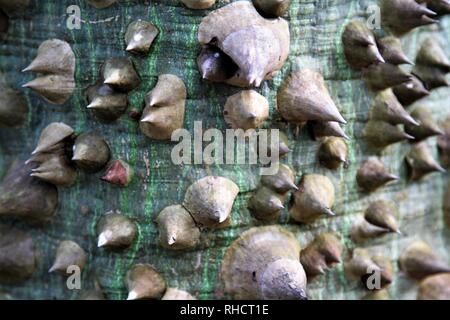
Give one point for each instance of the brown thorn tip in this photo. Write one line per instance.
(52, 269)
(412, 121)
(329, 212)
(428, 11)
(392, 177)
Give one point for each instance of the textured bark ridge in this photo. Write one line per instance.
(315, 43)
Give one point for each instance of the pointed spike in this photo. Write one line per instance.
(334, 259)
(102, 239)
(29, 68)
(54, 88)
(132, 46)
(358, 265)
(53, 57)
(432, 54)
(424, 10)
(293, 185)
(223, 216)
(251, 78)
(296, 104)
(265, 204)
(342, 159)
(401, 16)
(140, 36)
(406, 60)
(439, 168)
(53, 268)
(171, 240)
(419, 260)
(150, 118)
(408, 136)
(392, 177)
(411, 120)
(379, 58)
(284, 149)
(411, 91)
(346, 137)
(281, 182)
(96, 103)
(153, 101)
(382, 214)
(214, 65)
(278, 205)
(340, 118)
(115, 230)
(421, 162)
(26, 197)
(427, 20)
(51, 136)
(112, 79)
(372, 174)
(210, 200)
(252, 115)
(144, 282)
(177, 229)
(132, 295)
(427, 127)
(283, 278)
(333, 152)
(359, 44)
(37, 65)
(90, 152)
(105, 103)
(314, 198)
(36, 174)
(68, 254)
(384, 75)
(321, 254)
(320, 270)
(120, 74)
(247, 110)
(387, 108)
(328, 212)
(364, 42)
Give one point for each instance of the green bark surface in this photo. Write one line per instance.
(315, 26)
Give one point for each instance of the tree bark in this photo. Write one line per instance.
(315, 28)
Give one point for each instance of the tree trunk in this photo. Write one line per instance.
(316, 28)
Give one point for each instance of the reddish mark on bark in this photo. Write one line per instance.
(116, 174)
